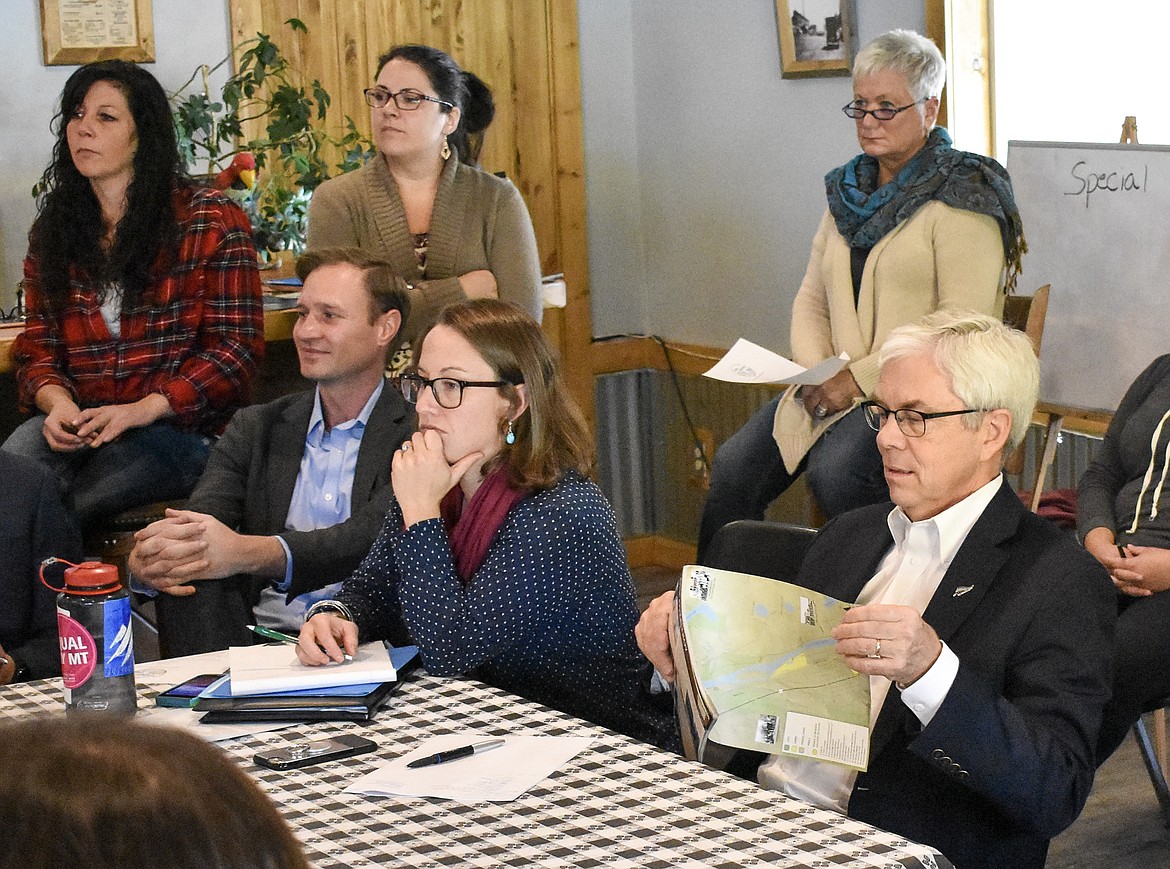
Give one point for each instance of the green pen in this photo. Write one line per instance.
(280, 637)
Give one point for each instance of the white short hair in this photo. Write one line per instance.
(989, 365)
(910, 54)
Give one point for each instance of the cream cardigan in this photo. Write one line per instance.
(941, 257)
(479, 222)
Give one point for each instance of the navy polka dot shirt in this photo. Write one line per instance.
(549, 615)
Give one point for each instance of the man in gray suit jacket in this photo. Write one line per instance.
(985, 630)
(295, 490)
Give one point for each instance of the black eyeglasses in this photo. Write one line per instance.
(448, 391)
(406, 99)
(911, 423)
(883, 114)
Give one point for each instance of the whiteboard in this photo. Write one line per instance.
(1097, 222)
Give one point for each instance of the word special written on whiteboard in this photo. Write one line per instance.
(1095, 218)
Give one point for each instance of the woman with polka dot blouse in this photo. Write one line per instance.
(500, 558)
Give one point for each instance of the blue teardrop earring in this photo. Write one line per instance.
(510, 436)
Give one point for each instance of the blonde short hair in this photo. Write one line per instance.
(916, 58)
(989, 365)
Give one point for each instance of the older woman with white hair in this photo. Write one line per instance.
(912, 226)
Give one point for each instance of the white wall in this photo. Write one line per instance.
(186, 34)
(1110, 61)
(703, 166)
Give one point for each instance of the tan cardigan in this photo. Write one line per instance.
(479, 222)
(942, 257)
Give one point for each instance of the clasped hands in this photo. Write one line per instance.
(68, 428)
(1140, 572)
(184, 547)
(909, 646)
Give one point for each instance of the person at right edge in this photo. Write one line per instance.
(1123, 519)
(912, 226)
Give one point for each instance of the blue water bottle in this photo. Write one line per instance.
(97, 644)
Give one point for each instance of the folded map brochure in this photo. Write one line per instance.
(756, 668)
(746, 362)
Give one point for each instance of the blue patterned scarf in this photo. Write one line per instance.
(866, 213)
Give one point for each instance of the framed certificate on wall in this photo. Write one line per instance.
(82, 31)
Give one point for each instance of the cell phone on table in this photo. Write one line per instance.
(184, 695)
(307, 753)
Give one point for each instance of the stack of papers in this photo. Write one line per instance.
(273, 667)
(268, 683)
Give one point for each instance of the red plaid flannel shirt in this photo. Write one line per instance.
(197, 338)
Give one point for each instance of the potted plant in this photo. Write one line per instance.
(290, 149)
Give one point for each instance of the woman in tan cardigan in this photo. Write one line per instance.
(912, 226)
(451, 231)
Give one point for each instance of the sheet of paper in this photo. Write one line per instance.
(273, 667)
(497, 776)
(188, 719)
(746, 362)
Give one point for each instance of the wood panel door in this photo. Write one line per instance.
(527, 53)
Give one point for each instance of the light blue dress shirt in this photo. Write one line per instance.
(321, 498)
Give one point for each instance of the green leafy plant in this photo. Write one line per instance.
(293, 151)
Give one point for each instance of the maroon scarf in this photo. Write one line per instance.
(472, 527)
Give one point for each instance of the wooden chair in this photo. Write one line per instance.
(1027, 314)
(772, 549)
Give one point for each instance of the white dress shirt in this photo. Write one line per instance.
(908, 575)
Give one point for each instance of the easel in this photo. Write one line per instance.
(1096, 422)
(1129, 130)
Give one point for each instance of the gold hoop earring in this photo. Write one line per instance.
(445, 151)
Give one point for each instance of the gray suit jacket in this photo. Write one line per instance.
(248, 485)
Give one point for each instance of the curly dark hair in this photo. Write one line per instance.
(68, 228)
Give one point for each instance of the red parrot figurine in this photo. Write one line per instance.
(240, 174)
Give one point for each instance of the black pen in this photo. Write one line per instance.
(456, 753)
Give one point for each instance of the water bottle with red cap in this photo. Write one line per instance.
(97, 644)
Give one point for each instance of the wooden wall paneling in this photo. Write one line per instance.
(355, 69)
(576, 322)
(534, 134)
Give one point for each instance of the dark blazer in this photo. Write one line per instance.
(33, 526)
(1008, 760)
(248, 485)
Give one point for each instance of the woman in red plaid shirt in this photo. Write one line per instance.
(145, 323)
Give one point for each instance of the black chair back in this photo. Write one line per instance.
(772, 549)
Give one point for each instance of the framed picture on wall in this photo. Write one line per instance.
(82, 31)
(817, 37)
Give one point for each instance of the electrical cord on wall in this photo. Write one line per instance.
(700, 449)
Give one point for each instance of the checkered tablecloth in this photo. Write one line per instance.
(620, 803)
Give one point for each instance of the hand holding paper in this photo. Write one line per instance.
(746, 362)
